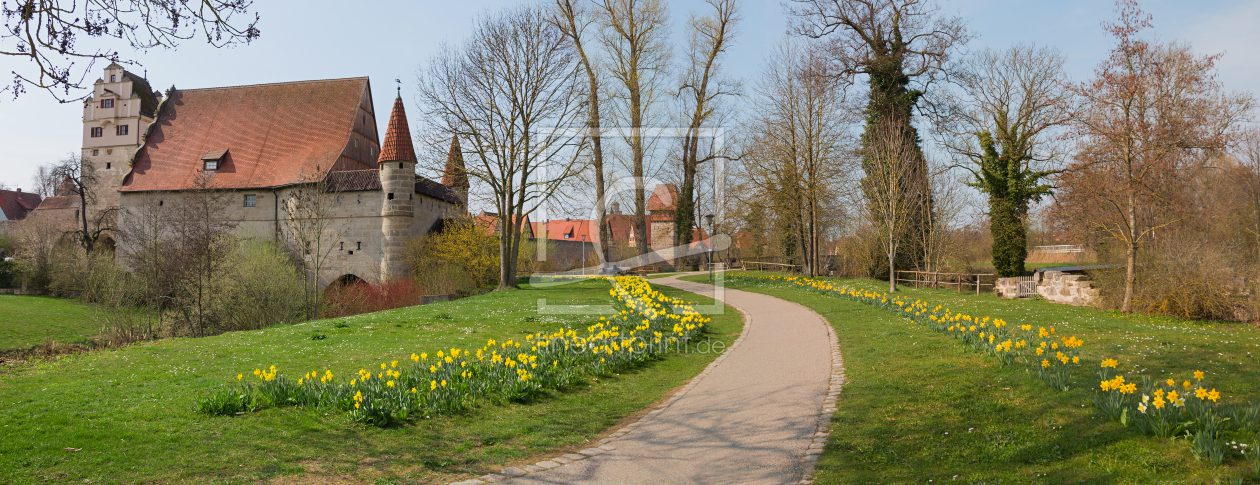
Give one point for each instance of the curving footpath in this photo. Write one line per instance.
(757, 415)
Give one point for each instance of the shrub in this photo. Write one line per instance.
(1179, 277)
(462, 253)
(262, 288)
(8, 274)
(360, 297)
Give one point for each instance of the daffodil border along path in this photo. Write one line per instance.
(756, 415)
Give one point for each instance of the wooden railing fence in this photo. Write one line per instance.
(936, 280)
(758, 266)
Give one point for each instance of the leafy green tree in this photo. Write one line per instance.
(1004, 118)
(1011, 185)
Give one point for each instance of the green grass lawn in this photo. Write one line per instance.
(920, 406)
(129, 411)
(26, 321)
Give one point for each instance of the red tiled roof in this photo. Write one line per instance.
(59, 202)
(352, 181)
(15, 205)
(620, 225)
(453, 175)
(664, 198)
(572, 230)
(397, 145)
(278, 134)
(489, 221)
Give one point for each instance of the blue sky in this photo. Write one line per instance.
(386, 40)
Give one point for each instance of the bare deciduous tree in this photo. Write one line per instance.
(1249, 156)
(701, 88)
(46, 33)
(1150, 107)
(310, 232)
(93, 222)
(636, 42)
(143, 240)
(800, 146)
(513, 92)
(203, 242)
(892, 189)
(42, 181)
(575, 21)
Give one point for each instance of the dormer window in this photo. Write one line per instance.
(214, 160)
(107, 103)
(113, 78)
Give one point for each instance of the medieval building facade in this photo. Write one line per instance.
(261, 149)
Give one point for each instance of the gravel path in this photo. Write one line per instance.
(755, 416)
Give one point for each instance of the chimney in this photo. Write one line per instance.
(19, 190)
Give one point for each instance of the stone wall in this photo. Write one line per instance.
(356, 224)
(1055, 286)
(1006, 287)
(1072, 289)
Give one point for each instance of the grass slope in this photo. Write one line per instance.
(130, 410)
(26, 321)
(919, 406)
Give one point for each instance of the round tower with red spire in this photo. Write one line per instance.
(397, 165)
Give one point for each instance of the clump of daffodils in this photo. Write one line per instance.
(646, 325)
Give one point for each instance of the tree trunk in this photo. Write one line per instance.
(892, 269)
(1130, 263)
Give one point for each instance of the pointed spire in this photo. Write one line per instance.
(397, 146)
(453, 175)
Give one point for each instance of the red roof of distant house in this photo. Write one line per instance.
(59, 202)
(277, 134)
(571, 230)
(397, 146)
(664, 198)
(489, 221)
(15, 205)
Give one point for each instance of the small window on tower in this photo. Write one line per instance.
(107, 103)
(390, 196)
(108, 165)
(251, 200)
(343, 246)
(121, 129)
(358, 245)
(400, 165)
(113, 77)
(98, 132)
